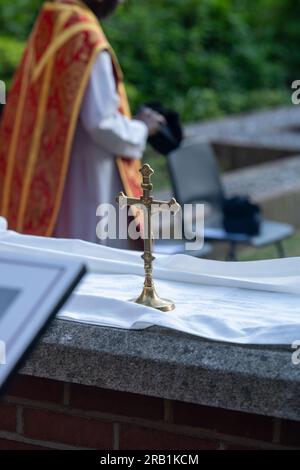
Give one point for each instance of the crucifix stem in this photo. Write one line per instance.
(148, 257)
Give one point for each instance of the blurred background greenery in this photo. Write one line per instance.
(204, 58)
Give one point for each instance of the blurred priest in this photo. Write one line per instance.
(67, 139)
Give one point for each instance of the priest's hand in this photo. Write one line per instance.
(152, 119)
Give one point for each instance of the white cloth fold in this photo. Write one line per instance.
(3, 223)
(254, 302)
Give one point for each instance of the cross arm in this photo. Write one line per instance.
(166, 205)
(125, 201)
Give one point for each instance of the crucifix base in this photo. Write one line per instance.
(149, 298)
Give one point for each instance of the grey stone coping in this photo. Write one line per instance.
(249, 124)
(260, 182)
(171, 365)
(288, 142)
(250, 139)
(265, 180)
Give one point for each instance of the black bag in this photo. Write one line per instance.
(170, 136)
(241, 216)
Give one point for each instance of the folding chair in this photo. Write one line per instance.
(196, 179)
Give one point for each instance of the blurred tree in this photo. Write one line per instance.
(10, 53)
(203, 57)
(17, 17)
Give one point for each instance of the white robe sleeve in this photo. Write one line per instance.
(101, 118)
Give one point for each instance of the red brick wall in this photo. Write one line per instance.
(38, 414)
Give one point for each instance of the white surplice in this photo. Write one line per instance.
(102, 134)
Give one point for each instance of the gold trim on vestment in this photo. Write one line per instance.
(11, 155)
(59, 41)
(69, 139)
(38, 129)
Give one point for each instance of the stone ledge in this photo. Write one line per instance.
(171, 365)
(248, 124)
(265, 180)
(250, 139)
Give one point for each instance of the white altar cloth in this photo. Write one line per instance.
(255, 302)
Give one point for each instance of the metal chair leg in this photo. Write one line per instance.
(231, 255)
(280, 249)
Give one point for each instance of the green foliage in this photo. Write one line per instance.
(204, 58)
(17, 17)
(10, 53)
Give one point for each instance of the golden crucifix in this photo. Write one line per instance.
(149, 296)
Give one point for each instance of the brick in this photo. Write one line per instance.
(119, 403)
(290, 433)
(7, 444)
(8, 417)
(34, 388)
(66, 429)
(138, 438)
(224, 421)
